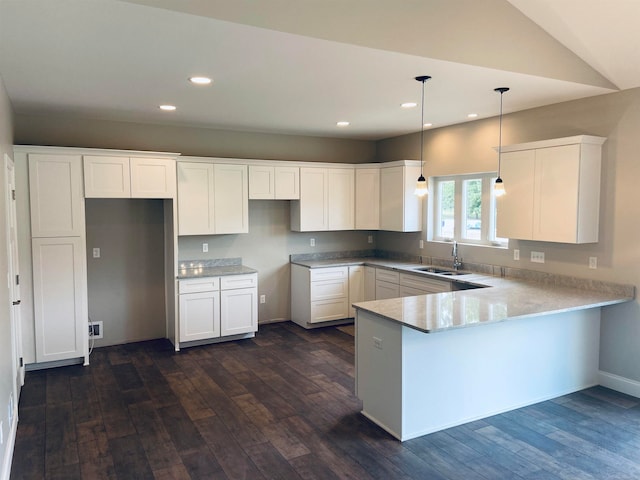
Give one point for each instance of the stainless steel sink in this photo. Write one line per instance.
(440, 271)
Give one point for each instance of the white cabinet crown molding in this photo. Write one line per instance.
(92, 151)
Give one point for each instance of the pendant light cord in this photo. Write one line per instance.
(500, 90)
(422, 132)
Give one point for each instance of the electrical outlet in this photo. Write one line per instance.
(96, 253)
(312, 242)
(516, 254)
(537, 257)
(377, 342)
(593, 262)
(421, 243)
(370, 239)
(95, 330)
(263, 299)
(205, 247)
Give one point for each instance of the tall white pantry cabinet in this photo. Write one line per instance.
(59, 258)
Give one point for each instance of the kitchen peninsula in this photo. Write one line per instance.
(429, 362)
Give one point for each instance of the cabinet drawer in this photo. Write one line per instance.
(327, 310)
(207, 284)
(387, 275)
(386, 290)
(331, 273)
(330, 289)
(230, 282)
(428, 285)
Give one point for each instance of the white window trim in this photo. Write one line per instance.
(487, 216)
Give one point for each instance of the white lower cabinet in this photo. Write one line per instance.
(356, 287)
(216, 307)
(59, 298)
(319, 294)
(238, 304)
(392, 284)
(199, 309)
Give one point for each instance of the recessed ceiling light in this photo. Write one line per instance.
(472, 115)
(427, 125)
(168, 108)
(343, 124)
(409, 105)
(200, 80)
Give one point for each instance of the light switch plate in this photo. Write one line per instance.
(516, 254)
(593, 262)
(205, 247)
(312, 242)
(96, 253)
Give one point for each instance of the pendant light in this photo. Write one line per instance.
(421, 184)
(498, 187)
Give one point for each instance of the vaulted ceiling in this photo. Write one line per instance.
(298, 67)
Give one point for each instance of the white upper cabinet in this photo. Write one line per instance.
(367, 203)
(340, 198)
(231, 206)
(262, 182)
(129, 177)
(106, 177)
(326, 200)
(274, 183)
(553, 190)
(195, 198)
(400, 209)
(153, 177)
(212, 198)
(287, 183)
(55, 191)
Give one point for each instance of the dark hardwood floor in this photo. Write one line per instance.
(282, 406)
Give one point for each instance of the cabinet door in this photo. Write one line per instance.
(367, 204)
(55, 191)
(287, 183)
(515, 208)
(313, 200)
(340, 198)
(153, 178)
(231, 199)
(356, 287)
(555, 203)
(199, 316)
(261, 182)
(106, 177)
(195, 198)
(59, 298)
(238, 311)
(369, 283)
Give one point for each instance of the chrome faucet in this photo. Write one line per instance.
(457, 262)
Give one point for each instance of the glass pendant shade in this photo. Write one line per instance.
(498, 188)
(421, 187)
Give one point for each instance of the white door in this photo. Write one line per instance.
(238, 311)
(153, 177)
(340, 198)
(199, 316)
(59, 292)
(13, 273)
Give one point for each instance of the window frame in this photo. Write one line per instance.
(487, 216)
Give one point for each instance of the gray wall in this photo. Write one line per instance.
(126, 284)
(468, 148)
(7, 375)
(68, 131)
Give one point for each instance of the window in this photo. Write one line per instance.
(464, 209)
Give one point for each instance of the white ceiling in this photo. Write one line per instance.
(287, 66)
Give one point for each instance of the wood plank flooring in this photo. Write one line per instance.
(282, 406)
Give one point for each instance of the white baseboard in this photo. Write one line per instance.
(619, 384)
(5, 473)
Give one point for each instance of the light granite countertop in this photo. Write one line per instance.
(212, 268)
(503, 298)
